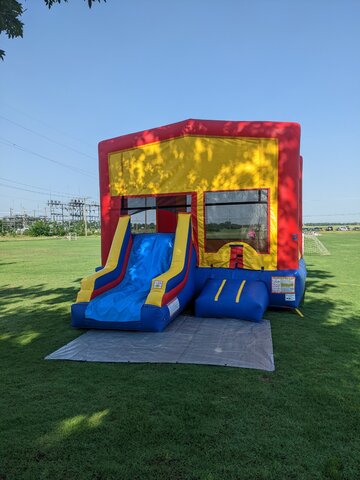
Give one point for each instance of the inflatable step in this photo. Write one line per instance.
(246, 300)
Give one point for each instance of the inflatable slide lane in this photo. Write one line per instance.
(147, 281)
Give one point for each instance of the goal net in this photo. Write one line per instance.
(313, 246)
(71, 236)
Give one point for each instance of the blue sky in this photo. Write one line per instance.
(80, 76)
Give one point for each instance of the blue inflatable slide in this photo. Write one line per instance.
(147, 280)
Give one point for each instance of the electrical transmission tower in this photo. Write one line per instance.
(76, 210)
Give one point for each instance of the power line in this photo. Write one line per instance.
(47, 138)
(34, 191)
(38, 188)
(46, 124)
(8, 143)
(15, 197)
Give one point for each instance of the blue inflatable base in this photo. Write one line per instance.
(250, 304)
(285, 287)
(262, 289)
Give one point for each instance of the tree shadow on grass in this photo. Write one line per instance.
(319, 355)
(89, 410)
(151, 428)
(331, 327)
(318, 281)
(37, 313)
(11, 295)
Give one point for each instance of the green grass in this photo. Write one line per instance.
(68, 420)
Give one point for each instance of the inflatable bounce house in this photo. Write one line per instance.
(200, 212)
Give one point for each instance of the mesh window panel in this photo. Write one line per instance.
(143, 210)
(142, 220)
(237, 216)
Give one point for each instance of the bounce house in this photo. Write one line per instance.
(202, 213)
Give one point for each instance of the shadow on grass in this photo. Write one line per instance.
(183, 422)
(36, 313)
(48, 296)
(317, 281)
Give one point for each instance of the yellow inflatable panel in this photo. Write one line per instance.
(199, 164)
(87, 283)
(158, 286)
(191, 163)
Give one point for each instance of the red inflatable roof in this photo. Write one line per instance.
(218, 128)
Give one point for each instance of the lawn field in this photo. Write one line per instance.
(69, 421)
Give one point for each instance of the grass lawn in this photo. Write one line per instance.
(68, 420)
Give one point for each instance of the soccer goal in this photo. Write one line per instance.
(313, 246)
(71, 236)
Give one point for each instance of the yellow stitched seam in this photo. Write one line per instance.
(219, 291)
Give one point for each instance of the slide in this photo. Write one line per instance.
(150, 256)
(146, 282)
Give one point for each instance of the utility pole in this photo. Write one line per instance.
(24, 219)
(85, 216)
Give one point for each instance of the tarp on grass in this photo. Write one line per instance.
(206, 341)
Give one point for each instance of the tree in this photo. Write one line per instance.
(10, 13)
(39, 228)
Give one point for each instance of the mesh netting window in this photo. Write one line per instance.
(143, 215)
(237, 216)
(154, 213)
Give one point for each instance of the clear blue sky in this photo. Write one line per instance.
(80, 76)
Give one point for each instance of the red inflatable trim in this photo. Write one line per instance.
(117, 280)
(168, 296)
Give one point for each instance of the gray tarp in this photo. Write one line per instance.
(209, 341)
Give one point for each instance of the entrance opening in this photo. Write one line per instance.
(156, 213)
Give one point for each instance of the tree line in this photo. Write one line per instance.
(48, 228)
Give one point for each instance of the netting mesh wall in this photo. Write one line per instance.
(313, 245)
